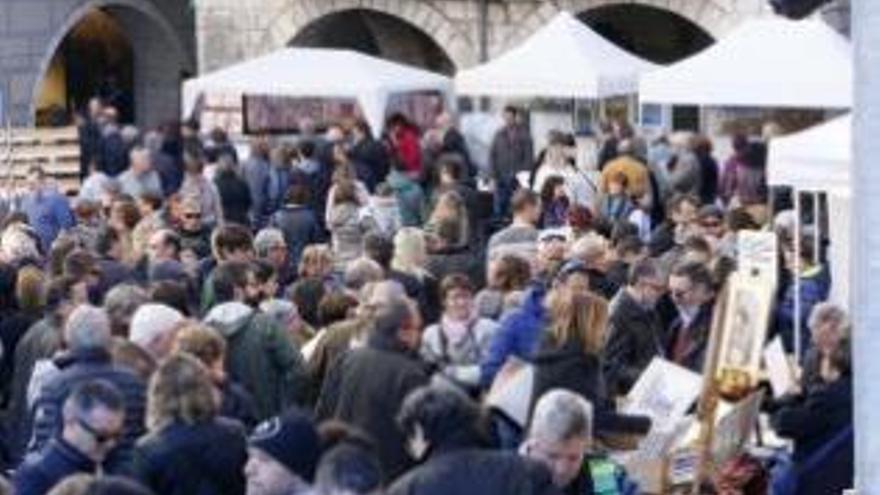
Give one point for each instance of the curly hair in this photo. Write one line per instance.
(181, 390)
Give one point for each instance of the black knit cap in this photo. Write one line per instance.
(292, 440)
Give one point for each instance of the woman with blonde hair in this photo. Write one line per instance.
(180, 454)
(451, 206)
(570, 357)
(410, 258)
(30, 303)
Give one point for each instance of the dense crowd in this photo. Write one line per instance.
(326, 315)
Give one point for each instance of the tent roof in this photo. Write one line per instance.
(315, 72)
(765, 62)
(564, 59)
(817, 159)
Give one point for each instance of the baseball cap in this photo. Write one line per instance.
(292, 440)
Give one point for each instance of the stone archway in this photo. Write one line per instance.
(715, 17)
(296, 16)
(160, 56)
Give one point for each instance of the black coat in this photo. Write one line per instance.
(42, 470)
(695, 339)
(824, 415)
(207, 458)
(477, 472)
(569, 367)
(300, 227)
(235, 197)
(634, 338)
(114, 155)
(371, 162)
(366, 387)
(82, 367)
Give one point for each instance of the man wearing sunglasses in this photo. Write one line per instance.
(94, 416)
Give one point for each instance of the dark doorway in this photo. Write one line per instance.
(94, 59)
(377, 34)
(658, 35)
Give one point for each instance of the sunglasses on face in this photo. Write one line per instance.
(101, 437)
(192, 216)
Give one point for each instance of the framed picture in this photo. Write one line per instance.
(744, 328)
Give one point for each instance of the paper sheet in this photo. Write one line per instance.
(779, 371)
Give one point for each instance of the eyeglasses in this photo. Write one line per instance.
(101, 437)
(710, 225)
(192, 216)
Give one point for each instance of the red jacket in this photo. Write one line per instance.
(408, 148)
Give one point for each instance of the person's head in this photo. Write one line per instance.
(361, 130)
(139, 159)
(683, 209)
(127, 354)
(552, 247)
(297, 194)
(307, 294)
(191, 215)
(232, 242)
(36, 177)
(88, 484)
(691, 286)
(282, 455)
(573, 277)
(439, 417)
(306, 149)
(94, 415)
(510, 116)
(124, 214)
(829, 323)
(181, 391)
(397, 322)
(560, 433)
(285, 314)
(163, 245)
(361, 272)
(81, 264)
(260, 147)
(711, 222)
(235, 281)
(30, 289)
(266, 278)
(63, 295)
(271, 246)
(526, 206)
(457, 296)
(618, 183)
(348, 469)
(838, 362)
(591, 250)
(206, 345)
(108, 243)
(379, 248)
(87, 328)
(335, 306)
(345, 192)
(148, 202)
(121, 302)
(316, 261)
(697, 249)
(807, 252)
(579, 319)
(450, 170)
(647, 282)
(154, 327)
(410, 250)
(630, 249)
(509, 273)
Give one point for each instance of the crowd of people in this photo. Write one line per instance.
(326, 316)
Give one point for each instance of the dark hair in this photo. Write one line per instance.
(841, 357)
(106, 238)
(677, 200)
(173, 294)
(513, 273)
(345, 192)
(630, 244)
(334, 307)
(448, 230)
(696, 273)
(297, 194)
(79, 264)
(306, 293)
(511, 109)
(152, 199)
(740, 219)
(455, 281)
(231, 237)
(621, 230)
(171, 238)
(642, 269)
(389, 318)
(550, 186)
(307, 148)
(522, 199)
(363, 126)
(96, 393)
(263, 270)
(348, 468)
(697, 243)
(227, 277)
(379, 248)
(444, 414)
(451, 165)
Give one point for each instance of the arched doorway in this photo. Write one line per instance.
(658, 35)
(94, 59)
(376, 33)
(124, 51)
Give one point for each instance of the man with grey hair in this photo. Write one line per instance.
(88, 358)
(140, 178)
(559, 436)
(121, 303)
(270, 246)
(361, 272)
(367, 385)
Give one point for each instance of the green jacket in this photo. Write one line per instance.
(262, 356)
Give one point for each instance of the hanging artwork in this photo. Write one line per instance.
(744, 330)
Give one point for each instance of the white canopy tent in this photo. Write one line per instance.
(564, 59)
(818, 160)
(319, 73)
(765, 62)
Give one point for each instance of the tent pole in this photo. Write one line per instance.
(797, 275)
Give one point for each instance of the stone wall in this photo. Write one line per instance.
(160, 31)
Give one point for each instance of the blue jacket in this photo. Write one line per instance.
(410, 198)
(519, 334)
(256, 173)
(42, 470)
(82, 367)
(300, 227)
(48, 213)
(815, 287)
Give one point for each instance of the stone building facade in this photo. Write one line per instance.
(172, 39)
